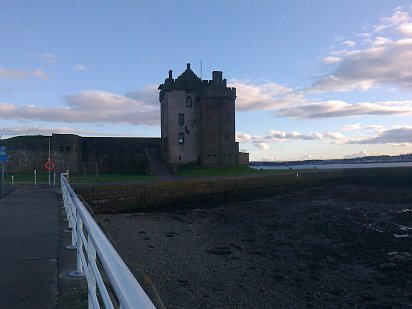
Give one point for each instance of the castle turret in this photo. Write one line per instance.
(198, 120)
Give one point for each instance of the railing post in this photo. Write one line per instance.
(72, 224)
(91, 279)
(79, 272)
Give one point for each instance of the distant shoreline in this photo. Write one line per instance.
(407, 158)
(327, 165)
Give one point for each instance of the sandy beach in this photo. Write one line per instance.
(340, 246)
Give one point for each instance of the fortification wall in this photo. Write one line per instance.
(74, 153)
(192, 193)
(198, 193)
(120, 154)
(27, 153)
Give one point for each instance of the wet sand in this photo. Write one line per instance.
(326, 247)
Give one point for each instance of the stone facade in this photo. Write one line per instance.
(198, 120)
(80, 154)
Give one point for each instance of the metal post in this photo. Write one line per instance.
(35, 177)
(67, 175)
(79, 272)
(91, 256)
(2, 179)
(12, 180)
(49, 162)
(54, 179)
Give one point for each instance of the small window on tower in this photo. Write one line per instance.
(188, 101)
(181, 119)
(181, 138)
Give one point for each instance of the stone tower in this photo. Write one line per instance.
(198, 120)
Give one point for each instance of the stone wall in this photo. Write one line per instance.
(217, 137)
(212, 192)
(75, 153)
(120, 154)
(243, 158)
(193, 193)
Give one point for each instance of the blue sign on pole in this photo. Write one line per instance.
(4, 158)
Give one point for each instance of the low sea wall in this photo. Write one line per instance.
(203, 192)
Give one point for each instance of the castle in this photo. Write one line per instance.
(198, 120)
(197, 127)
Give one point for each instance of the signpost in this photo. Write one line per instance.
(4, 157)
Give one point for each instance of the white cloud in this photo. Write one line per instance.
(349, 43)
(406, 29)
(358, 126)
(351, 127)
(149, 95)
(383, 60)
(49, 57)
(401, 136)
(361, 154)
(90, 106)
(306, 157)
(282, 135)
(285, 102)
(331, 59)
(262, 146)
(271, 159)
(80, 67)
(335, 108)
(264, 96)
(36, 130)
(243, 137)
(21, 74)
(398, 19)
(334, 135)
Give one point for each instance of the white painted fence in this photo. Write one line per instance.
(128, 291)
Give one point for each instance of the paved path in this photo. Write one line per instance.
(29, 238)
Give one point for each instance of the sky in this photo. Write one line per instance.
(315, 79)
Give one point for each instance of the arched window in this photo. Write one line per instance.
(188, 101)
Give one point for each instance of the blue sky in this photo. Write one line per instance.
(315, 79)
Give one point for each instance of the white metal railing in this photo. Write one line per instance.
(128, 291)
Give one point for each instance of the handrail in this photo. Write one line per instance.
(128, 291)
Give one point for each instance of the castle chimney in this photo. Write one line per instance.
(188, 66)
(170, 74)
(217, 78)
(224, 83)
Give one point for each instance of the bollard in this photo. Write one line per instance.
(12, 180)
(35, 177)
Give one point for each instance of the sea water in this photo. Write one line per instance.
(333, 166)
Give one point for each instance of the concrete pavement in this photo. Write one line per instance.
(30, 249)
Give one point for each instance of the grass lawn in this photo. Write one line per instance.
(110, 177)
(217, 171)
(42, 178)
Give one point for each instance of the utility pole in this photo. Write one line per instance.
(49, 162)
(2, 179)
